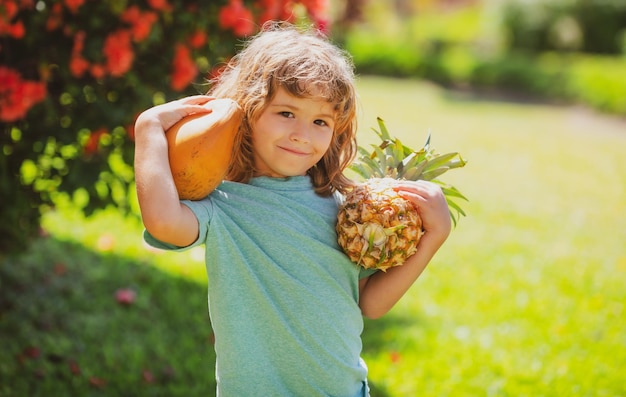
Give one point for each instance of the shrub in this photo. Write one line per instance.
(599, 81)
(517, 73)
(593, 26)
(74, 74)
(447, 48)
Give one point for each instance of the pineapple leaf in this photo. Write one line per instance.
(452, 204)
(427, 143)
(363, 152)
(457, 163)
(382, 160)
(398, 153)
(391, 158)
(432, 174)
(372, 165)
(383, 133)
(361, 170)
(402, 166)
(440, 160)
(451, 191)
(459, 212)
(413, 173)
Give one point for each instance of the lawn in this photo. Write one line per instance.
(526, 298)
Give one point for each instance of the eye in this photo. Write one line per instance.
(321, 123)
(286, 114)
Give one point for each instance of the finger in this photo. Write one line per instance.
(412, 185)
(415, 198)
(197, 100)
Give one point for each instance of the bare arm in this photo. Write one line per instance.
(163, 215)
(381, 291)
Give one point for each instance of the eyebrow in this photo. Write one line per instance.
(292, 107)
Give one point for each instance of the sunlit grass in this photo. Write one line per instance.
(107, 231)
(527, 296)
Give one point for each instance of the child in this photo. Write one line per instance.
(286, 304)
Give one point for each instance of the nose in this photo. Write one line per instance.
(301, 133)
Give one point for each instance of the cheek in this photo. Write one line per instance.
(325, 142)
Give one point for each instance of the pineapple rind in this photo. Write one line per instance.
(375, 202)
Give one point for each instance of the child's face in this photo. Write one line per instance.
(291, 135)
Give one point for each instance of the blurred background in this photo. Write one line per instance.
(525, 298)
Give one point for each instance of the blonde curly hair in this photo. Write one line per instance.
(304, 63)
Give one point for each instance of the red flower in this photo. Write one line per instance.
(160, 5)
(15, 30)
(32, 92)
(318, 10)
(131, 15)
(197, 39)
(125, 296)
(118, 52)
(147, 376)
(237, 17)
(316, 7)
(97, 71)
(130, 129)
(74, 5)
(184, 68)
(91, 146)
(56, 17)
(141, 22)
(74, 368)
(8, 78)
(8, 11)
(17, 96)
(98, 383)
(78, 66)
(79, 42)
(271, 9)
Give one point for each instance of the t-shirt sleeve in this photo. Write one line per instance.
(203, 210)
(363, 273)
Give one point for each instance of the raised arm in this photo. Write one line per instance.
(163, 215)
(380, 292)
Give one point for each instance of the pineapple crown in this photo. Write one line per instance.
(392, 159)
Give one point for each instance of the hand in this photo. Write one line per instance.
(431, 205)
(168, 114)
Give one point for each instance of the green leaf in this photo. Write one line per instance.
(374, 167)
(392, 158)
(451, 191)
(457, 163)
(363, 152)
(415, 173)
(452, 204)
(382, 160)
(427, 143)
(432, 174)
(360, 170)
(455, 211)
(384, 133)
(441, 160)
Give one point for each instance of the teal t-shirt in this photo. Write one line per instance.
(283, 297)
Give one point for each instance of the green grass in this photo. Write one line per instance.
(526, 298)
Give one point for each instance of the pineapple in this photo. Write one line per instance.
(376, 227)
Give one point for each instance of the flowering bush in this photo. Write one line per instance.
(74, 74)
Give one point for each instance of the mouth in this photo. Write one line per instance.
(294, 151)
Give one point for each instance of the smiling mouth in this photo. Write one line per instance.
(293, 151)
